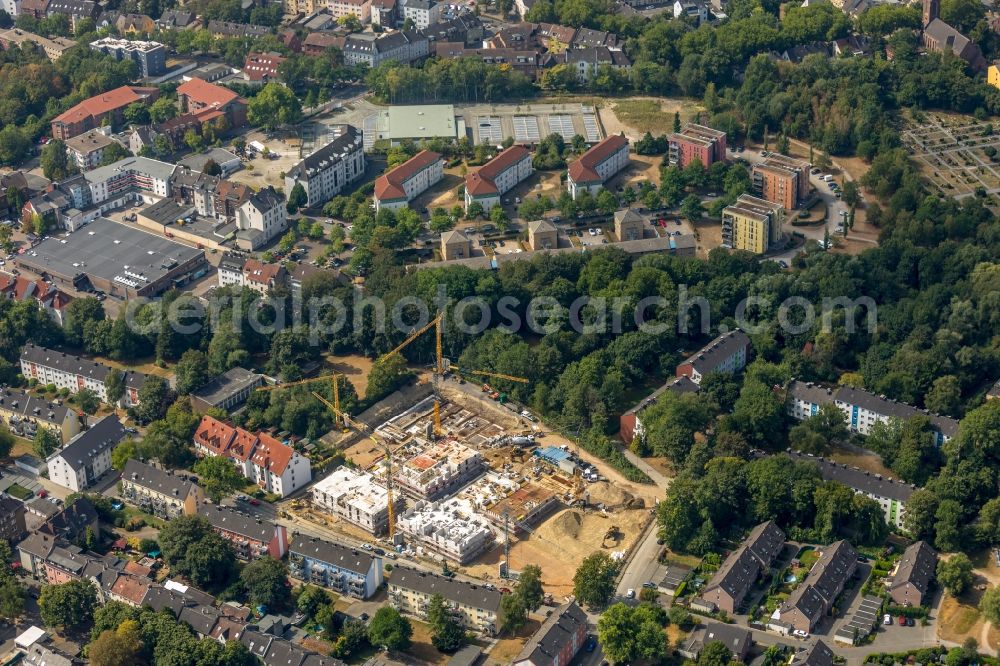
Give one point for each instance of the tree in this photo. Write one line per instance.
(6, 442)
(389, 629)
(677, 121)
(266, 583)
(154, 397)
(11, 597)
(447, 634)
(191, 372)
(15, 145)
(499, 218)
(121, 454)
(114, 152)
(311, 599)
(136, 113)
(114, 386)
(68, 605)
(119, 647)
(211, 168)
(297, 198)
(87, 400)
(632, 634)
(945, 396)
(990, 605)
(162, 110)
(45, 443)
(691, 208)
(529, 587)
(594, 581)
(955, 573)
(218, 476)
(386, 375)
(715, 653)
(274, 106)
(193, 549)
(514, 612)
(54, 160)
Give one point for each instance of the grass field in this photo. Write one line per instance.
(957, 620)
(651, 115)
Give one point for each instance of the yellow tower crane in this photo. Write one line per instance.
(437, 324)
(333, 383)
(497, 375)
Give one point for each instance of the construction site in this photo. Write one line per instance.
(473, 480)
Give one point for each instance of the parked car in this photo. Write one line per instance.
(649, 585)
(800, 633)
(887, 620)
(630, 594)
(592, 231)
(902, 621)
(910, 622)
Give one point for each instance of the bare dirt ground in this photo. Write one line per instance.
(354, 367)
(637, 115)
(709, 235)
(641, 168)
(507, 648)
(864, 460)
(560, 543)
(960, 619)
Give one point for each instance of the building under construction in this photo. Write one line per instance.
(451, 529)
(439, 469)
(523, 507)
(356, 497)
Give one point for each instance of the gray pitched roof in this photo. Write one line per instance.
(947, 426)
(718, 350)
(736, 639)
(675, 385)
(817, 654)
(224, 518)
(825, 580)
(554, 635)
(358, 561)
(917, 567)
(104, 434)
(457, 591)
(328, 155)
(858, 479)
(157, 480)
(69, 363)
(201, 618)
(225, 385)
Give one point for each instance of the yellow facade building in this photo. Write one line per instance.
(752, 224)
(993, 75)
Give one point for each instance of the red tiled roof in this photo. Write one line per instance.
(324, 41)
(207, 94)
(272, 455)
(390, 184)
(214, 435)
(259, 66)
(484, 180)
(243, 445)
(137, 569)
(103, 103)
(583, 170)
(132, 588)
(258, 271)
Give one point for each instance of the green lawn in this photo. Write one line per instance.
(152, 521)
(20, 492)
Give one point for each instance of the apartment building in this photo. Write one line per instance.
(558, 640)
(891, 495)
(273, 465)
(87, 456)
(478, 608)
(383, 12)
(372, 50)
(451, 529)
(423, 13)
(728, 353)
(261, 277)
(781, 179)
(752, 224)
(151, 57)
(262, 67)
(24, 413)
(815, 596)
(696, 142)
(12, 523)
(330, 565)
(250, 537)
(597, 165)
(588, 62)
(47, 366)
(914, 575)
(862, 408)
(356, 497)
(440, 469)
(207, 101)
(729, 586)
(159, 492)
(87, 150)
(326, 172)
(362, 9)
(261, 218)
(53, 47)
(630, 423)
(277, 467)
(396, 188)
(93, 111)
(497, 177)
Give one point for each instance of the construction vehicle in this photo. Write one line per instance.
(335, 392)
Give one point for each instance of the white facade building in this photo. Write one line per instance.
(422, 12)
(395, 189)
(47, 366)
(356, 497)
(451, 529)
(438, 470)
(261, 218)
(597, 165)
(277, 467)
(87, 456)
(325, 173)
(497, 177)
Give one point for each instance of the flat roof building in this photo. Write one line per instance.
(781, 179)
(438, 470)
(450, 529)
(118, 259)
(752, 224)
(426, 121)
(228, 391)
(696, 142)
(150, 56)
(356, 497)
